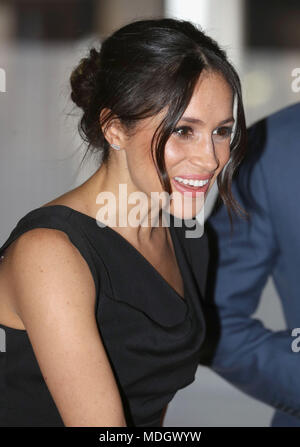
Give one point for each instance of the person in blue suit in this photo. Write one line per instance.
(238, 347)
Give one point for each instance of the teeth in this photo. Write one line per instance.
(196, 183)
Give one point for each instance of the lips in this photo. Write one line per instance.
(191, 189)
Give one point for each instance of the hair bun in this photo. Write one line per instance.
(84, 79)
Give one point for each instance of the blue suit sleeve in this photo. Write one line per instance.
(258, 361)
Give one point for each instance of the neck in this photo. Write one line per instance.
(106, 195)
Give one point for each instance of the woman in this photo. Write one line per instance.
(103, 323)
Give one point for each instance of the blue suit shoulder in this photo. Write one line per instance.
(275, 132)
(271, 154)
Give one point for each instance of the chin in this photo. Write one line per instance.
(189, 211)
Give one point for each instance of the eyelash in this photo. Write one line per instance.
(228, 129)
(180, 128)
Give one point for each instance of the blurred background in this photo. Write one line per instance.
(40, 148)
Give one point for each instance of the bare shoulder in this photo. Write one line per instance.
(49, 251)
(55, 296)
(46, 256)
(37, 257)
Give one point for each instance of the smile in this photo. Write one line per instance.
(192, 186)
(194, 183)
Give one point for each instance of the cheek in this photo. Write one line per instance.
(173, 154)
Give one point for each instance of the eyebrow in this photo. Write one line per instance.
(190, 119)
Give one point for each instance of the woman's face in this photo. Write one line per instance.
(198, 149)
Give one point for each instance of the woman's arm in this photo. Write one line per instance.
(54, 294)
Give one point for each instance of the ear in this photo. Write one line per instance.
(112, 128)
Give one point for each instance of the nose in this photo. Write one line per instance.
(204, 155)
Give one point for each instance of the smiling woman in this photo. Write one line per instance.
(104, 324)
(146, 71)
(200, 154)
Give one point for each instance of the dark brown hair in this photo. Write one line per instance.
(143, 67)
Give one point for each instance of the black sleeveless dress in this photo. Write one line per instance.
(152, 336)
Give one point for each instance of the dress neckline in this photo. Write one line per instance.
(132, 247)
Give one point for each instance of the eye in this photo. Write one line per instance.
(183, 131)
(223, 132)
